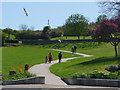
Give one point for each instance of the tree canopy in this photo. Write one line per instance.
(108, 30)
(76, 24)
(101, 17)
(111, 7)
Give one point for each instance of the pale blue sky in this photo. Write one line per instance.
(39, 13)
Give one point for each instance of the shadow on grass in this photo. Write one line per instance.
(101, 60)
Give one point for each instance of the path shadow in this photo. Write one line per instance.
(100, 60)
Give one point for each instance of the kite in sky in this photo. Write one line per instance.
(25, 12)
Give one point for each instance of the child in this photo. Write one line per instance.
(46, 59)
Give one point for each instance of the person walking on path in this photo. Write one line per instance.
(46, 59)
(75, 49)
(60, 56)
(50, 57)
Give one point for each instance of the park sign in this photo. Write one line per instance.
(20, 42)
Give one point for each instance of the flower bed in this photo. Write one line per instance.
(95, 78)
(31, 80)
(98, 75)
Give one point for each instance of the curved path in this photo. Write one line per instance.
(43, 69)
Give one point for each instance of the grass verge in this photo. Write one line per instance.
(103, 57)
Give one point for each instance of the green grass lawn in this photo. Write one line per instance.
(71, 38)
(31, 55)
(103, 57)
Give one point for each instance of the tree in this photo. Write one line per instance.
(101, 17)
(11, 37)
(4, 37)
(28, 35)
(44, 34)
(46, 29)
(111, 7)
(59, 33)
(8, 31)
(76, 24)
(56, 32)
(23, 27)
(31, 28)
(108, 30)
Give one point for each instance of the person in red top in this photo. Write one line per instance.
(50, 57)
(26, 67)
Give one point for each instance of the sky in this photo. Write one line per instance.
(13, 15)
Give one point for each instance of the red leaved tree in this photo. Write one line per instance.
(108, 30)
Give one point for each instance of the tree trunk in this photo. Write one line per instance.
(115, 50)
(115, 44)
(66, 36)
(78, 37)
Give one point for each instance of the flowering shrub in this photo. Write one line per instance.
(108, 30)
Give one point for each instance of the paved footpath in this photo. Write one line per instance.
(43, 69)
(84, 55)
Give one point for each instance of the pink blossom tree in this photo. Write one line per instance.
(108, 30)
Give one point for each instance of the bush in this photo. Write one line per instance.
(97, 75)
(18, 76)
(45, 36)
(69, 45)
(79, 75)
(53, 34)
(113, 76)
(13, 44)
(112, 68)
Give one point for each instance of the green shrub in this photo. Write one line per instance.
(79, 75)
(113, 76)
(69, 45)
(14, 44)
(17, 76)
(98, 75)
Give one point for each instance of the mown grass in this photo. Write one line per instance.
(31, 55)
(71, 38)
(103, 57)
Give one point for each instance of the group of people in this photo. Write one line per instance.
(74, 49)
(51, 57)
